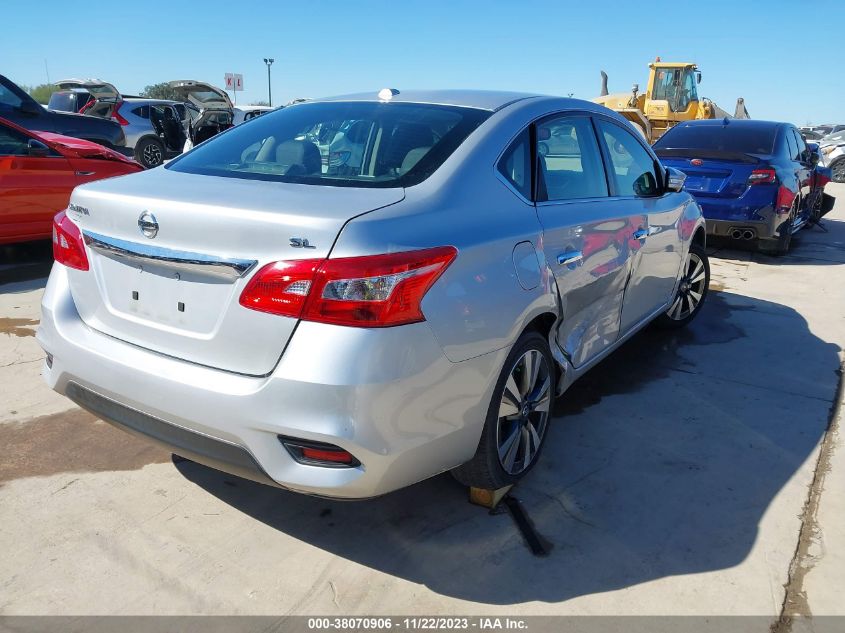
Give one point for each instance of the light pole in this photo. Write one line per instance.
(269, 61)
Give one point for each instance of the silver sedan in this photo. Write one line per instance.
(350, 295)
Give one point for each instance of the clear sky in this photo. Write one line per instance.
(781, 55)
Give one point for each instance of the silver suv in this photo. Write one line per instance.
(154, 128)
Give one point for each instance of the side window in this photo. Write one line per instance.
(569, 162)
(142, 111)
(633, 167)
(515, 164)
(802, 146)
(8, 98)
(13, 143)
(792, 144)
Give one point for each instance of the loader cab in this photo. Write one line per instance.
(673, 91)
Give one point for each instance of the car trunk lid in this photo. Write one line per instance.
(171, 253)
(201, 94)
(711, 173)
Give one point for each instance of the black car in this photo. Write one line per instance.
(17, 106)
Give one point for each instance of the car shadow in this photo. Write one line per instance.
(814, 245)
(661, 461)
(25, 265)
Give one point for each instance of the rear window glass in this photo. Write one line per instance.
(63, 101)
(351, 144)
(729, 138)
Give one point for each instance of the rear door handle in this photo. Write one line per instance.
(570, 257)
(85, 173)
(641, 235)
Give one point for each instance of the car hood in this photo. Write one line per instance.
(201, 94)
(102, 90)
(72, 147)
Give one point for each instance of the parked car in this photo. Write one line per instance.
(347, 333)
(20, 108)
(38, 170)
(245, 113)
(154, 128)
(751, 178)
(811, 135)
(832, 148)
(211, 111)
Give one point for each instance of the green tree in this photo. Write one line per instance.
(42, 92)
(161, 91)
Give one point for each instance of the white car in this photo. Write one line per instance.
(247, 112)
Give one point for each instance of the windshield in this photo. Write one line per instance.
(729, 138)
(352, 144)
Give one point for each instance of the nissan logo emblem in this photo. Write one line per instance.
(148, 224)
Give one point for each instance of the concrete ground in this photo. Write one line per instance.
(690, 473)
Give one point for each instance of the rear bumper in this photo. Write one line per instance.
(388, 396)
(724, 216)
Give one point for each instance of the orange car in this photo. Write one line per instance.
(38, 171)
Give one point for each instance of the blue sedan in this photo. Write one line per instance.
(752, 179)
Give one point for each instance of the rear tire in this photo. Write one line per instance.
(517, 418)
(149, 152)
(691, 293)
(780, 246)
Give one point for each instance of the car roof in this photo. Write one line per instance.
(482, 99)
(743, 123)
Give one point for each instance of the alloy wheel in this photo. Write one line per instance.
(523, 412)
(152, 155)
(690, 290)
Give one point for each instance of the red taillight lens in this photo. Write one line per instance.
(762, 177)
(117, 116)
(68, 248)
(371, 291)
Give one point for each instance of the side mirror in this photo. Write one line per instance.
(37, 148)
(645, 185)
(698, 77)
(675, 180)
(30, 107)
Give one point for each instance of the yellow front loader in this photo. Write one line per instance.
(671, 97)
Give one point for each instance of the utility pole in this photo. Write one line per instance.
(269, 61)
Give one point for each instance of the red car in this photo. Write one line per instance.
(38, 170)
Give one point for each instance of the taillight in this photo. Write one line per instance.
(762, 177)
(68, 248)
(370, 291)
(116, 114)
(281, 287)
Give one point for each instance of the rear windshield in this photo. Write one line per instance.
(63, 101)
(352, 144)
(726, 138)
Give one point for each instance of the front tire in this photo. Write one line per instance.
(517, 418)
(691, 293)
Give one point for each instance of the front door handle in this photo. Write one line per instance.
(570, 257)
(641, 235)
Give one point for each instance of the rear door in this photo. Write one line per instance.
(34, 188)
(587, 235)
(656, 243)
(801, 163)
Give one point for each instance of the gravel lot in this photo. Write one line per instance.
(689, 473)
